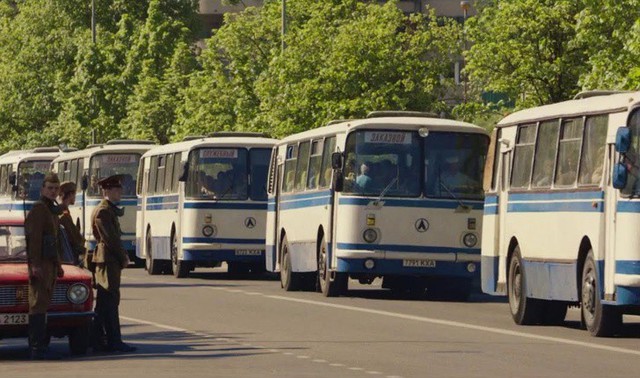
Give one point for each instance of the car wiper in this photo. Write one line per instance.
(462, 208)
(385, 190)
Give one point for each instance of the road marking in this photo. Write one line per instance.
(451, 323)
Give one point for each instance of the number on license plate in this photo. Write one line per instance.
(248, 252)
(415, 263)
(14, 319)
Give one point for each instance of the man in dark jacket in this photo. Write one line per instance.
(44, 260)
(68, 198)
(110, 258)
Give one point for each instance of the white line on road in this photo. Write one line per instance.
(460, 325)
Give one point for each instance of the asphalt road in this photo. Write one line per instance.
(216, 325)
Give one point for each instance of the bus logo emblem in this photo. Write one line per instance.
(250, 222)
(422, 225)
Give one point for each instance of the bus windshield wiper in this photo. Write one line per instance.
(462, 208)
(385, 190)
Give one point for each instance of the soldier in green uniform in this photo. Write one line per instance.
(44, 258)
(67, 198)
(110, 258)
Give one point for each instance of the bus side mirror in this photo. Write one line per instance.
(85, 183)
(337, 181)
(623, 140)
(185, 173)
(619, 178)
(336, 160)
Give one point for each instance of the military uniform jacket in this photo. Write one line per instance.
(75, 237)
(41, 227)
(106, 230)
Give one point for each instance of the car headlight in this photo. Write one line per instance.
(370, 235)
(78, 293)
(470, 240)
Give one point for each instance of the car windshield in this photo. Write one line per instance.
(105, 165)
(383, 162)
(454, 163)
(30, 177)
(13, 244)
(218, 173)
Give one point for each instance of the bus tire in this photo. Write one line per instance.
(153, 266)
(600, 320)
(524, 310)
(179, 267)
(289, 280)
(328, 287)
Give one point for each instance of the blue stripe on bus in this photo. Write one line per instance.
(162, 206)
(415, 203)
(554, 196)
(628, 206)
(162, 199)
(628, 267)
(222, 240)
(303, 196)
(490, 200)
(406, 248)
(226, 205)
(320, 201)
(219, 255)
(17, 206)
(540, 207)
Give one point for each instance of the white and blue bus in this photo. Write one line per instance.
(562, 211)
(396, 195)
(202, 202)
(87, 167)
(21, 175)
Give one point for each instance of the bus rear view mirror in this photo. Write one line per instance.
(85, 183)
(185, 173)
(623, 140)
(619, 178)
(336, 160)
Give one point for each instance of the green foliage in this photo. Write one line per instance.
(342, 59)
(526, 49)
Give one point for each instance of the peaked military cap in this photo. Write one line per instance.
(111, 182)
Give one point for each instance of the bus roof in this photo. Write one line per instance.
(39, 153)
(387, 123)
(106, 148)
(606, 102)
(198, 142)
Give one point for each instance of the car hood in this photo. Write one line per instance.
(19, 272)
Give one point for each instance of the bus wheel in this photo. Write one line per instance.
(600, 320)
(153, 266)
(525, 311)
(328, 287)
(289, 280)
(180, 268)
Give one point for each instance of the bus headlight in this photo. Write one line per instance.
(208, 230)
(370, 235)
(470, 240)
(78, 293)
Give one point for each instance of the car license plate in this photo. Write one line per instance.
(14, 319)
(249, 252)
(415, 263)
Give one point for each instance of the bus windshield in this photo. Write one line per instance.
(383, 162)
(30, 177)
(260, 158)
(218, 173)
(105, 165)
(454, 163)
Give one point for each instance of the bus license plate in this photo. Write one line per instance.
(248, 252)
(415, 263)
(14, 319)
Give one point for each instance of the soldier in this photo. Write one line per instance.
(67, 198)
(110, 258)
(44, 258)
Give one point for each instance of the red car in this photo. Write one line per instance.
(71, 310)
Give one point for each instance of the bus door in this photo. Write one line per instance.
(503, 202)
(610, 208)
(273, 214)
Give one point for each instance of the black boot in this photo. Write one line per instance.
(38, 347)
(114, 336)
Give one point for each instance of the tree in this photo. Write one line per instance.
(343, 58)
(608, 31)
(526, 49)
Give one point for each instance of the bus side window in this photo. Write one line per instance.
(153, 171)
(545, 156)
(177, 171)
(4, 179)
(593, 148)
(315, 161)
(73, 171)
(569, 152)
(160, 176)
(168, 178)
(523, 155)
(290, 168)
(325, 175)
(303, 165)
(140, 177)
